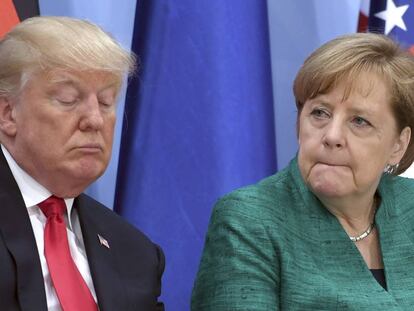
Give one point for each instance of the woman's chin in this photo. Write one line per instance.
(330, 181)
(328, 187)
(327, 191)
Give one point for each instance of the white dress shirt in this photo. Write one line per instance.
(33, 193)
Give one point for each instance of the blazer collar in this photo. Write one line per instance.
(328, 227)
(17, 233)
(110, 291)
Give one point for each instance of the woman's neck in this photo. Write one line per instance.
(355, 214)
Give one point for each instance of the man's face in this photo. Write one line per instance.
(64, 123)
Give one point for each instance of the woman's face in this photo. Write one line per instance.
(345, 144)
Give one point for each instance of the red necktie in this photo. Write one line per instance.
(71, 289)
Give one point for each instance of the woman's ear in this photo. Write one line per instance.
(7, 119)
(401, 146)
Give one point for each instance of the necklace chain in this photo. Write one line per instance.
(363, 235)
(367, 232)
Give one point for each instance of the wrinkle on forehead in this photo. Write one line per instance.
(362, 84)
(59, 75)
(101, 79)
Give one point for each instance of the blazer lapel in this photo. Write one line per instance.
(17, 232)
(109, 289)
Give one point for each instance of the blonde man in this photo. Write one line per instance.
(60, 249)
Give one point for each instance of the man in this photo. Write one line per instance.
(60, 249)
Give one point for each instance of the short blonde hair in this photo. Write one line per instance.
(46, 43)
(345, 59)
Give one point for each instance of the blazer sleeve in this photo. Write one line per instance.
(239, 269)
(161, 266)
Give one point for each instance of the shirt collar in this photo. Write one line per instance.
(32, 192)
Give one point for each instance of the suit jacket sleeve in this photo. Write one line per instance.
(238, 270)
(161, 266)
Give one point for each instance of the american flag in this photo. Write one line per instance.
(395, 18)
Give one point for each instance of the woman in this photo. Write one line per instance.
(335, 229)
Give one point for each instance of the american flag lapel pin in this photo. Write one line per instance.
(103, 241)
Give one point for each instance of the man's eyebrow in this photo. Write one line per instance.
(63, 80)
(73, 81)
(112, 85)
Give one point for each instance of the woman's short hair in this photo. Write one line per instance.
(345, 59)
(46, 43)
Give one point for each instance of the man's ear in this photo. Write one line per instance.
(7, 120)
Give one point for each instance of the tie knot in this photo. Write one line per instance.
(52, 206)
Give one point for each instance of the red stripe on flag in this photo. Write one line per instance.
(8, 16)
(362, 23)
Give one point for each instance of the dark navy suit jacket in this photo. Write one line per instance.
(126, 276)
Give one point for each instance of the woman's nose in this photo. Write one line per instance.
(334, 137)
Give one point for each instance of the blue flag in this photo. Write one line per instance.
(199, 123)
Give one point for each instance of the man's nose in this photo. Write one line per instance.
(91, 114)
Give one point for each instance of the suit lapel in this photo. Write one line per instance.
(17, 232)
(110, 291)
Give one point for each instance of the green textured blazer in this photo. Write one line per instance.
(273, 246)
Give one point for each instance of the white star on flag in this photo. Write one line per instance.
(393, 16)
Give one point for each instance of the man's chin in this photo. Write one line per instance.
(87, 173)
(75, 184)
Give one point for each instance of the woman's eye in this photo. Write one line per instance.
(320, 113)
(359, 121)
